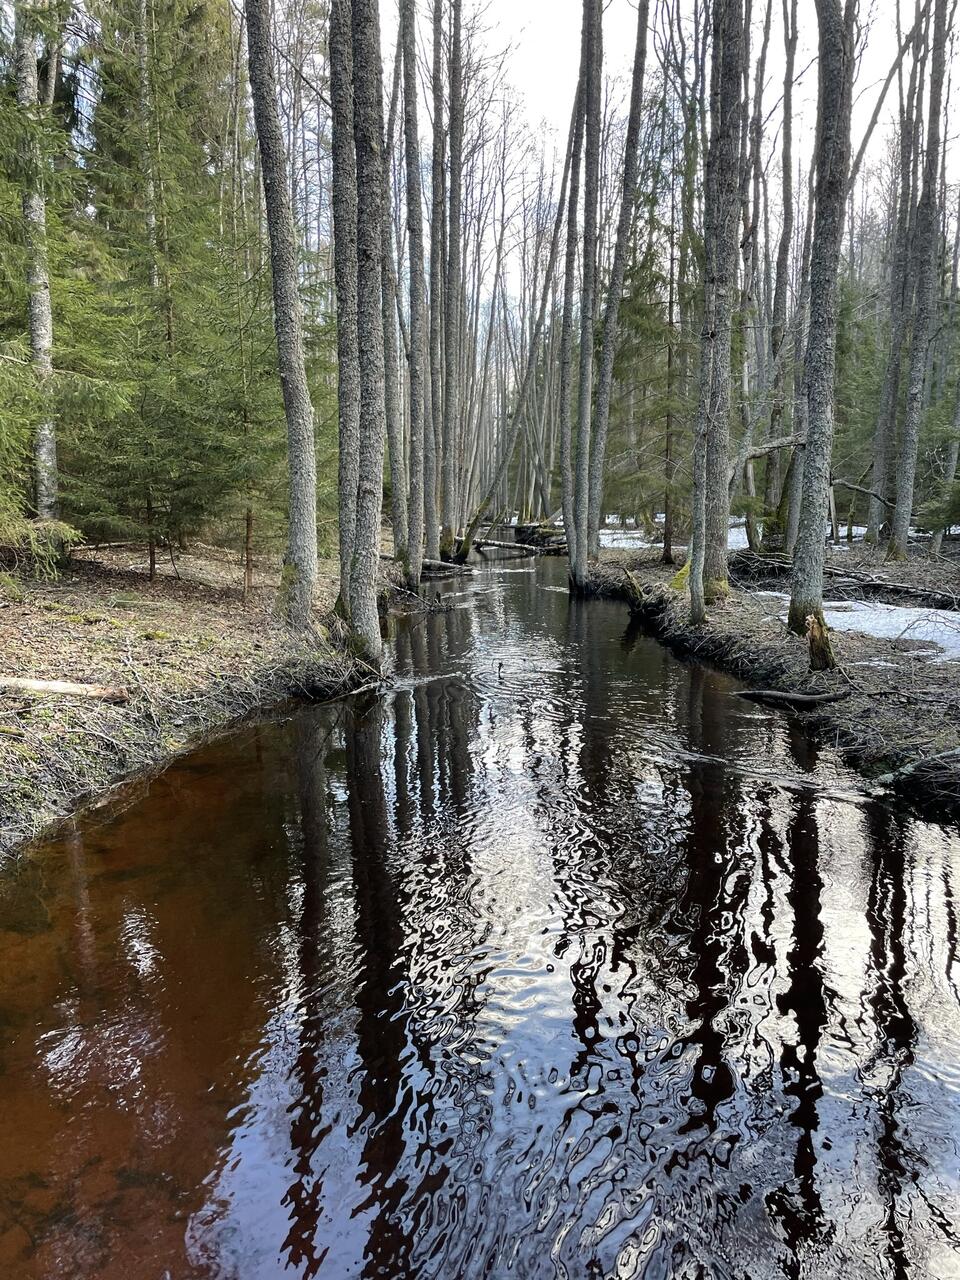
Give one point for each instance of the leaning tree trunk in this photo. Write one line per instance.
(368, 140)
(344, 200)
(611, 319)
(39, 309)
(300, 570)
(832, 158)
(418, 319)
(927, 257)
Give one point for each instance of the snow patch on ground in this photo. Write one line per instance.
(890, 621)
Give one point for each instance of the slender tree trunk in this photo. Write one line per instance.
(778, 324)
(391, 349)
(901, 295)
(593, 18)
(711, 502)
(300, 570)
(39, 309)
(927, 258)
(437, 257)
(368, 139)
(344, 200)
(601, 413)
(452, 297)
(837, 61)
(418, 318)
(728, 40)
(950, 467)
(566, 322)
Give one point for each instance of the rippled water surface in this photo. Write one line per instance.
(557, 961)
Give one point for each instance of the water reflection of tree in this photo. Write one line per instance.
(798, 1205)
(304, 1197)
(898, 1165)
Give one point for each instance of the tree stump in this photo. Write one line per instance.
(821, 651)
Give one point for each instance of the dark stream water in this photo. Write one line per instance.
(578, 967)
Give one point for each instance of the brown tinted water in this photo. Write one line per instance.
(575, 967)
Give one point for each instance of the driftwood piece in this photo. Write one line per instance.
(793, 701)
(66, 688)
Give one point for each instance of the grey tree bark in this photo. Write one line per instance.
(451, 296)
(368, 141)
(344, 201)
(34, 209)
(593, 68)
(950, 467)
(601, 412)
(927, 259)
(902, 285)
(418, 317)
(566, 321)
(727, 102)
(711, 502)
(778, 323)
(434, 461)
(391, 346)
(832, 157)
(300, 569)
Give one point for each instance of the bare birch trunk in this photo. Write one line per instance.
(300, 570)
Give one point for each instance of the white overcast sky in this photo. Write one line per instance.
(544, 37)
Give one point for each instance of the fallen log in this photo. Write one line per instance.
(526, 547)
(66, 688)
(933, 598)
(905, 771)
(794, 701)
(443, 568)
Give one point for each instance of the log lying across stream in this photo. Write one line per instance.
(792, 701)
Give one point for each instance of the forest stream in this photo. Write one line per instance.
(555, 959)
